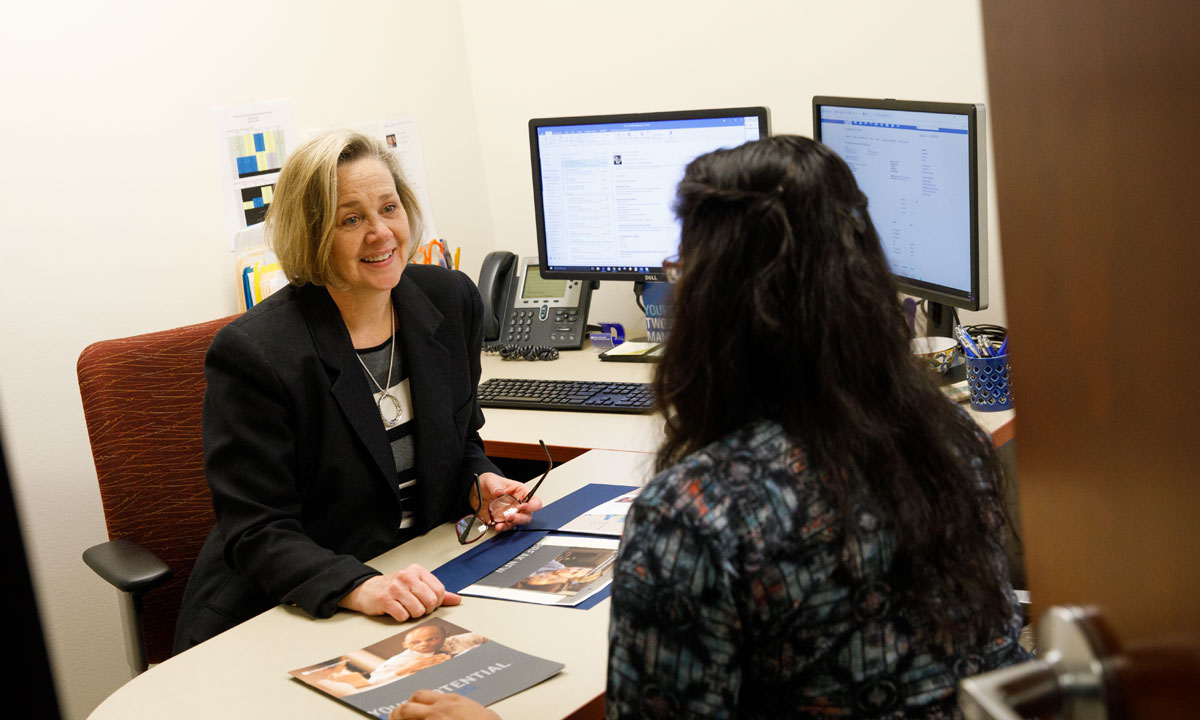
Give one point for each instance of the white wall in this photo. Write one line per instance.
(113, 224)
(112, 218)
(547, 58)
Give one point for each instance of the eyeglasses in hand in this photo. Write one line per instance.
(471, 528)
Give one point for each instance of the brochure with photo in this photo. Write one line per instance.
(606, 518)
(558, 570)
(433, 655)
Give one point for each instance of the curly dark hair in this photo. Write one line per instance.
(786, 311)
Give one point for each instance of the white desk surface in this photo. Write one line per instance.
(580, 430)
(242, 673)
(505, 430)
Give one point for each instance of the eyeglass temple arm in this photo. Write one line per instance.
(549, 467)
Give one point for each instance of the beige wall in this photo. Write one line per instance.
(113, 223)
(546, 58)
(112, 216)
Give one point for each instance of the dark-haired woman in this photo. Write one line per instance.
(825, 537)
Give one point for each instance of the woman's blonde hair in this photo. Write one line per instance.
(300, 219)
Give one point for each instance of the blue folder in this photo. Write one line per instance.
(479, 561)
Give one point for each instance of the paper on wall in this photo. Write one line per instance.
(401, 136)
(252, 141)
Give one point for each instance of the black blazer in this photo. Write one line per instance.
(302, 475)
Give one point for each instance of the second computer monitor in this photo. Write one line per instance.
(921, 166)
(604, 186)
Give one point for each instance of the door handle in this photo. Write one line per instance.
(1071, 678)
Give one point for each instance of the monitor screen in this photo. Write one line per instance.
(921, 166)
(604, 186)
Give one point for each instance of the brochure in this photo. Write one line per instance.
(433, 655)
(557, 570)
(608, 518)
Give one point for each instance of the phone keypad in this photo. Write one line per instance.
(564, 325)
(519, 325)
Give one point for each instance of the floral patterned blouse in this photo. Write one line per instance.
(735, 596)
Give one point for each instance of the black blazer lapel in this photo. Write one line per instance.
(349, 385)
(437, 442)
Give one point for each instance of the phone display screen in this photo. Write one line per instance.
(539, 288)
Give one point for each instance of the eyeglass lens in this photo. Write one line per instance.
(471, 528)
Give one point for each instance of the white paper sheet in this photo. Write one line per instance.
(252, 141)
(400, 134)
(607, 518)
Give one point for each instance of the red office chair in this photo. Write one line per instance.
(142, 398)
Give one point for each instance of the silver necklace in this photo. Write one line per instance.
(386, 394)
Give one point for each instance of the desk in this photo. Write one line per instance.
(514, 433)
(242, 673)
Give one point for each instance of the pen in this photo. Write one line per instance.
(1003, 347)
(968, 345)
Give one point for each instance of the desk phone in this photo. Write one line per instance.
(520, 307)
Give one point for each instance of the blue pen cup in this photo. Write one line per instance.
(990, 382)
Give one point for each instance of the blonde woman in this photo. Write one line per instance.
(340, 418)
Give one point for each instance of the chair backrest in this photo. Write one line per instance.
(142, 398)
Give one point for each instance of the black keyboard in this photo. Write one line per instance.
(613, 397)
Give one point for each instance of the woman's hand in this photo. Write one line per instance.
(493, 486)
(433, 705)
(405, 594)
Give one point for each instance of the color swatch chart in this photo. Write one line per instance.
(258, 153)
(255, 201)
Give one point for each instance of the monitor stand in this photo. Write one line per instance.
(940, 319)
(940, 322)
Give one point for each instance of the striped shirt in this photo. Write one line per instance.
(396, 413)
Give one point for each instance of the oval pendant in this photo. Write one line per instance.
(389, 410)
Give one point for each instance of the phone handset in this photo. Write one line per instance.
(495, 279)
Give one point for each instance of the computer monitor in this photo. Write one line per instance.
(604, 186)
(922, 168)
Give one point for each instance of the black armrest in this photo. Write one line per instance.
(127, 566)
